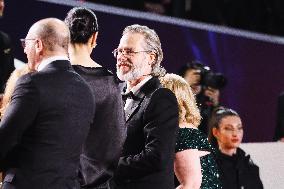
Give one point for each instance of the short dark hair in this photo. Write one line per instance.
(193, 65)
(82, 23)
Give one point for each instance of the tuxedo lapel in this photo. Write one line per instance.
(134, 104)
(147, 88)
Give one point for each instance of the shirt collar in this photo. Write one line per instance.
(136, 88)
(47, 61)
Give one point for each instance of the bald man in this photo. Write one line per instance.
(47, 121)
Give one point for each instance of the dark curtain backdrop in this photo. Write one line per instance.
(254, 69)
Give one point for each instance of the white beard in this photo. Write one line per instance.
(135, 73)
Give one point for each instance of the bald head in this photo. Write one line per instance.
(53, 33)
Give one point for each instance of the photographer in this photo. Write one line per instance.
(206, 85)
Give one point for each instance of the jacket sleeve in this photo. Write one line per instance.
(160, 121)
(20, 114)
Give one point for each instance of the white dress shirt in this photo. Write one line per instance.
(47, 61)
(135, 90)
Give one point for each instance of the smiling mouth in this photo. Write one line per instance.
(124, 65)
(235, 140)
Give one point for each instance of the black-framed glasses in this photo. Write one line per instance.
(23, 42)
(126, 52)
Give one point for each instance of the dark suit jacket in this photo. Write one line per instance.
(279, 130)
(44, 127)
(148, 152)
(6, 60)
(103, 146)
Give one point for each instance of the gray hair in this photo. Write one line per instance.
(153, 44)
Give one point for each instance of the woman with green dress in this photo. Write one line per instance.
(195, 166)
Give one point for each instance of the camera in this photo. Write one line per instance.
(211, 79)
(208, 78)
(209, 82)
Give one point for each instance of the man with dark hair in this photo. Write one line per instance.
(206, 86)
(6, 56)
(48, 119)
(151, 113)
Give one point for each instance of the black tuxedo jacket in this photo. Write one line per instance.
(148, 152)
(44, 127)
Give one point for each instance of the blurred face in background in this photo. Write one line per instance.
(2, 5)
(229, 134)
(192, 77)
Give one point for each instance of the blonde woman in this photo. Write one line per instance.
(10, 86)
(194, 164)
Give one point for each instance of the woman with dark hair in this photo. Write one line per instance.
(236, 168)
(102, 148)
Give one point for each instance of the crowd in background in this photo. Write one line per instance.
(263, 16)
(223, 125)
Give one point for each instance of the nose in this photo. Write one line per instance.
(121, 57)
(235, 133)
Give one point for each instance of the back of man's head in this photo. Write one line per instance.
(54, 35)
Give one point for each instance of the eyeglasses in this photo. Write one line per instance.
(126, 52)
(23, 41)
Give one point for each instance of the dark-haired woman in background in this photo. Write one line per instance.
(237, 171)
(102, 148)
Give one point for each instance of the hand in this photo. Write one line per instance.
(213, 94)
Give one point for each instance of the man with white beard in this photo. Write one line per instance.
(151, 113)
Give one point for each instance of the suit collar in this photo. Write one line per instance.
(137, 87)
(59, 65)
(47, 61)
(149, 87)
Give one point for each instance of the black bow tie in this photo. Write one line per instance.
(129, 95)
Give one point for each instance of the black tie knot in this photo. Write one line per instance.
(129, 95)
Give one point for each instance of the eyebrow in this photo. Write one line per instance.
(230, 125)
(125, 48)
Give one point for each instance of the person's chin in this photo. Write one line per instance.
(121, 75)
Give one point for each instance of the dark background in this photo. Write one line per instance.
(254, 68)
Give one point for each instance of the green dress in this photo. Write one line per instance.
(189, 138)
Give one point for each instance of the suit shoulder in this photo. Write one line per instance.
(26, 78)
(163, 92)
(162, 95)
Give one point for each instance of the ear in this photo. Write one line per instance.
(94, 39)
(152, 58)
(38, 46)
(215, 132)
